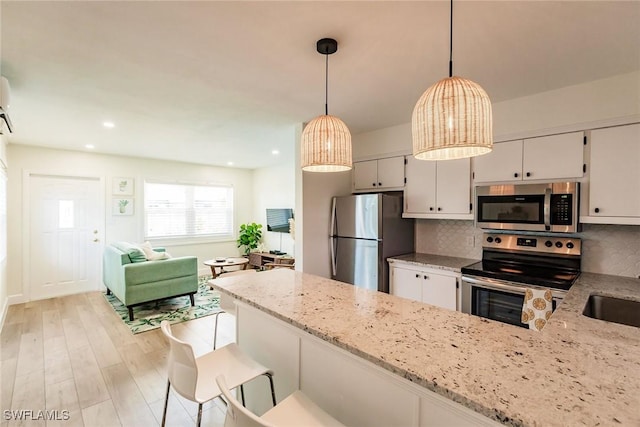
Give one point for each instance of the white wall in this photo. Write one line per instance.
(274, 187)
(318, 189)
(314, 191)
(394, 140)
(3, 232)
(60, 162)
(611, 100)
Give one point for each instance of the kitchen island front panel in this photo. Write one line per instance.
(577, 371)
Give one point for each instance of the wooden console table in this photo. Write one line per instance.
(259, 259)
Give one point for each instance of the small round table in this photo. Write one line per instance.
(226, 263)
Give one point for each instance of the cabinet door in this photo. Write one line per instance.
(503, 163)
(420, 189)
(439, 290)
(353, 391)
(406, 283)
(391, 172)
(614, 181)
(553, 157)
(453, 186)
(365, 175)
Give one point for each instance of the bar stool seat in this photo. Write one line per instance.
(294, 411)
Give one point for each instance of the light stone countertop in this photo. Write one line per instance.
(438, 262)
(577, 371)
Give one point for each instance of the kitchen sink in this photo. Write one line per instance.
(614, 310)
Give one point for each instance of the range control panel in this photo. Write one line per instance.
(541, 244)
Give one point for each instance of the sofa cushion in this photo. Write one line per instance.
(135, 253)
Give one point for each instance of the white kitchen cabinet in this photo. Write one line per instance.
(554, 157)
(614, 175)
(503, 163)
(430, 286)
(549, 158)
(380, 174)
(437, 189)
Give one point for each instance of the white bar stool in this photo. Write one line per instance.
(294, 411)
(193, 378)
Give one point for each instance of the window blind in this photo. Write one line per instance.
(188, 210)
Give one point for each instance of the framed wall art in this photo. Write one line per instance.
(122, 206)
(123, 186)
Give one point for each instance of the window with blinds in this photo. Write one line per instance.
(188, 210)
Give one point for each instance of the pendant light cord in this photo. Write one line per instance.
(451, 40)
(326, 85)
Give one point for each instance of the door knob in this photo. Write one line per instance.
(96, 240)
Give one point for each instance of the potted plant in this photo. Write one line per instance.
(249, 236)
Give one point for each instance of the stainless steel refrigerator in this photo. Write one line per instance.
(366, 229)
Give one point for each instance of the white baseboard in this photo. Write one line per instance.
(5, 307)
(17, 299)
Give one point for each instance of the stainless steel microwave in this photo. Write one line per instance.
(550, 207)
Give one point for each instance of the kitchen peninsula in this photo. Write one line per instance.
(428, 365)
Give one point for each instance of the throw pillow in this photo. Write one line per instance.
(152, 255)
(135, 253)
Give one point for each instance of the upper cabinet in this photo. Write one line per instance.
(438, 189)
(614, 176)
(503, 163)
(381, 174)
(549, 158)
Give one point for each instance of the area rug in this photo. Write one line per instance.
(148, 316)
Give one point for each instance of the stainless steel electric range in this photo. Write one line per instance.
(494, 287)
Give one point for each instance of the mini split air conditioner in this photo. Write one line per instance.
(4, 104)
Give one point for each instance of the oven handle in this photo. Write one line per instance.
(547, 209)
(498, 285)
(493, 284)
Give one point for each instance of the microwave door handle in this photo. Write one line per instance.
(547, 209)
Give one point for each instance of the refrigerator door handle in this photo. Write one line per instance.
(333, 256)
(332, 231)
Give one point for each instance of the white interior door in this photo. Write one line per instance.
(66, 229)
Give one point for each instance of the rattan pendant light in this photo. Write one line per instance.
(452, 119)
(326, 140)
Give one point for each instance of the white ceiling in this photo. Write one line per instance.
(213, 82)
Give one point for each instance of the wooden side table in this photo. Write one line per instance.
(226, 263)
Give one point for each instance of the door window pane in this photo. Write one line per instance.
(65, 214)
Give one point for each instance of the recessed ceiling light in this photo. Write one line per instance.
(275, 152)
(90, 146)
(230, 163)
(108, 125)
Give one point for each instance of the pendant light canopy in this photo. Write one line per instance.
(326, 140)
(453, 118)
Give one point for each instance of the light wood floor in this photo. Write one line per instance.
(73, 353)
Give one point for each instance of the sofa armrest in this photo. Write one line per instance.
(155, 271)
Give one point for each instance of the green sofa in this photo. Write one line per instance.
(134, 280)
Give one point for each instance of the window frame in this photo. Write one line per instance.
(189, 238)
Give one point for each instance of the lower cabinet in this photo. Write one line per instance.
(353, 390)
(430, 286)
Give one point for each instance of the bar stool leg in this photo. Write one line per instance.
(215, 329)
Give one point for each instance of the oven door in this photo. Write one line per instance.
(496, 300)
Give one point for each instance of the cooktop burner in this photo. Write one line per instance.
(552, 262)
(525, 274)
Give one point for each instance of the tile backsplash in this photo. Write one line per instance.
(606, 249)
